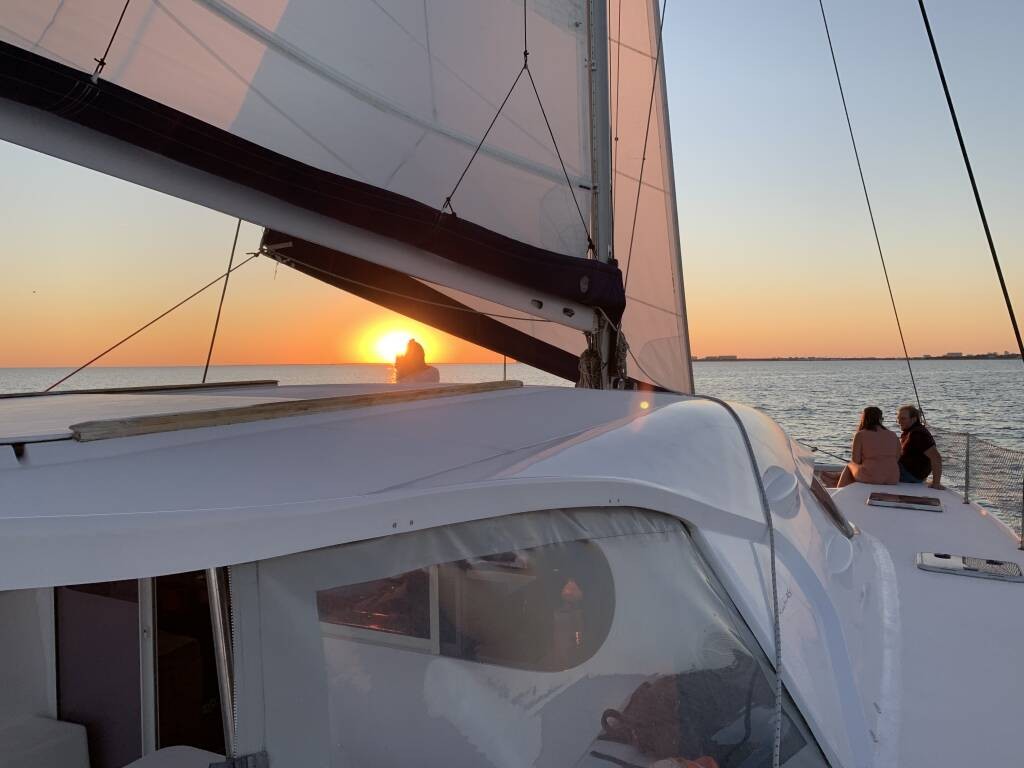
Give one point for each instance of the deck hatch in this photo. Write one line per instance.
(975, 567)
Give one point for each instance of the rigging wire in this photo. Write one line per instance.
(162, 315)
(448, 200)
(618, 101)
(647, 134)
(540, 103)
(871, 213)
(101, 62)
(216, 323)
(974, 183)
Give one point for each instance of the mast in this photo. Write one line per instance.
(601, 159)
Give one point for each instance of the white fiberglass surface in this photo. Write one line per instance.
(553, 638)
(645, 221)
(396, 94)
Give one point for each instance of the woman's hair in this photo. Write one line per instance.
(871, 418)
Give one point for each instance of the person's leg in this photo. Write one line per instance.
(846, 478)
(906, 477)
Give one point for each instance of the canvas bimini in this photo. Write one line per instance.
(257, 575)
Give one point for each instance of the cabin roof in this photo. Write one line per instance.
(170, 501)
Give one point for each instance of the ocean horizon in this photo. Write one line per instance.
(815, 401)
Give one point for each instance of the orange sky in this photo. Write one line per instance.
(778, 255)
(87, 259)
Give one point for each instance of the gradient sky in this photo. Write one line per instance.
(778, 254)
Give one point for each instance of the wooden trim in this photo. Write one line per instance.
(147, 388)
(88, 431)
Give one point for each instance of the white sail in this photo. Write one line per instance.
(648, 251)
(395, 94)
(358, 126)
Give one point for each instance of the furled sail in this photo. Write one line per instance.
(350, 125)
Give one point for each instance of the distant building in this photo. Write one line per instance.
(713, 358)
(954, 354)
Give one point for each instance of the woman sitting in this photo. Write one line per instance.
(876, 452)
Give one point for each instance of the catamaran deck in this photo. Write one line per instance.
(887, 662)
(956, 640)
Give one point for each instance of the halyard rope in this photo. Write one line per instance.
(216, 322)
(447, 204)
(974, 184)
(151, 322)
(871, 213)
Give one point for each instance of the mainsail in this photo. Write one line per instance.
(347, 125)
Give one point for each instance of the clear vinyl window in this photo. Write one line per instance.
(546, 608)
(582, 638)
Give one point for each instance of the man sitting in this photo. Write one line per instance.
(918, 455)
(412, 366)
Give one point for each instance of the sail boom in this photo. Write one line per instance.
(123, 134)
(41, 131)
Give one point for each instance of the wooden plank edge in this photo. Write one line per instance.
(147, 388)
(106, 429)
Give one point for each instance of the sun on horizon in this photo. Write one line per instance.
(382, 343)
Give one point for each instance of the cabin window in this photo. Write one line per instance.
(832, 512)
(544, 639)
(545, 608)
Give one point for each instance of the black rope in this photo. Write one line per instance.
(974, 183)
(213, 338)
(871, 213)
(544, 114)
(448, 200)
(155, 319)
(101, 62)
(647, 134)
(618, 101)
(525, 68)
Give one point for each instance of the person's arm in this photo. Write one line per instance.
(857, 452)
(936, 459)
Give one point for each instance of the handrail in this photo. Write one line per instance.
(219, 417)
(989, 474)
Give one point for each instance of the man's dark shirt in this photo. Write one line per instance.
(913, 443)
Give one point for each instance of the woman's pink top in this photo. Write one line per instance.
(876, 455)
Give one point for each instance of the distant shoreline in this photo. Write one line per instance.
(733, 359)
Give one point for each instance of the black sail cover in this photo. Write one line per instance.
(363, 114)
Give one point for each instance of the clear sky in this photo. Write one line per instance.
(777, 248)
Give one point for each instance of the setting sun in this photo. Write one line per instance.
(388, 346)
(382, 342)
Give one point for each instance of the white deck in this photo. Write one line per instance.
(961, 664)
(891, 666)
